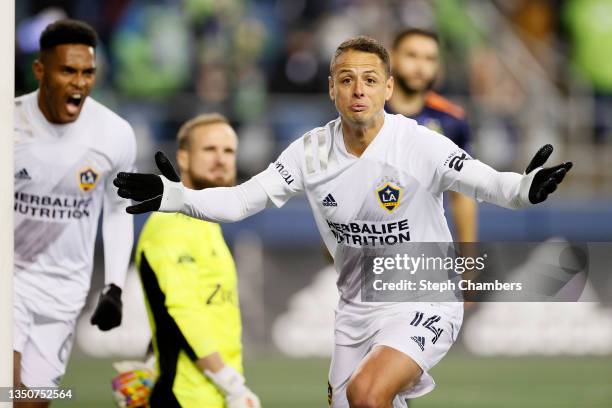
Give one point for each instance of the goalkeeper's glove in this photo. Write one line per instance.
(538, 181)
(133, 385)
(231, 384)
(157, 193)
(108, 312)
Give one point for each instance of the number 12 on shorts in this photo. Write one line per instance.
(429, 324)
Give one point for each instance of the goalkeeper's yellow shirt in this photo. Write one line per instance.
(189, 279)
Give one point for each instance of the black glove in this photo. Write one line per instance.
(147, 188)
(108, 312)
(546, 180)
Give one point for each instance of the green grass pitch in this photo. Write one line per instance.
(463, 382)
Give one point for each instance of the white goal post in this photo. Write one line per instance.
(7, 94)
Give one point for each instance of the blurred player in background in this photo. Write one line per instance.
(68, 148)
(190, 283)
(415, 61)
(374, 181)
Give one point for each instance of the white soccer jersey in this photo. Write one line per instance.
(390, 195)
(63, 178)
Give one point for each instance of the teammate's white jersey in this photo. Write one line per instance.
(390, 195)
(63, 178)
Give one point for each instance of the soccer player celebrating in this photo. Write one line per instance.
(415, 60)
(68, 148)
(189, 279)
(373, 180)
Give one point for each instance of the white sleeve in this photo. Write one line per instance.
(283, 178)
(448, 167)
(434, 159)
(117, 225)
(275, 185)
(225, 204)
(482, 182)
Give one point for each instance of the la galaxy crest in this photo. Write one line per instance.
(88, 178)
(389, 196)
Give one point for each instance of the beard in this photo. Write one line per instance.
(407, 89)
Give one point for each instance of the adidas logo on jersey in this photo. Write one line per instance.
(23, 175)
(420, 341)
(329, 201)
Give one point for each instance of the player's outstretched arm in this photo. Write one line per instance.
(511, 190)
(166, 193)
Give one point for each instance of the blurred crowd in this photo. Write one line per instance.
(528, 72)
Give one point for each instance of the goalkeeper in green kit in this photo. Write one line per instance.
(189, 279)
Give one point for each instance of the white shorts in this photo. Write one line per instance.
(44, 343)
(425, 334)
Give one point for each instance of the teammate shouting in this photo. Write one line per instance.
(68, 148)
(380, 170)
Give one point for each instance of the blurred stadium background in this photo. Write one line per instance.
(528, 72)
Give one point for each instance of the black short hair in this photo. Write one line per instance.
(67, 32)
(364, 44)
(408, 32)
